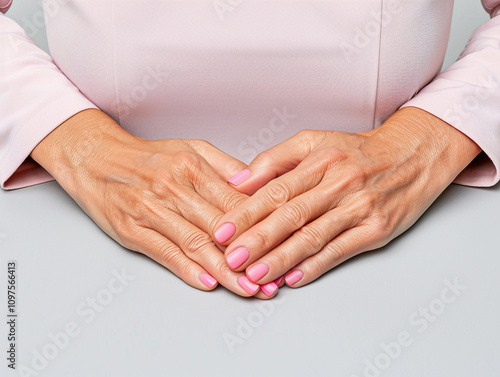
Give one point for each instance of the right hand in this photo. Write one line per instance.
(161, 198)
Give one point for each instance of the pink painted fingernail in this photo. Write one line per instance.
(269, 288)
(239, 256)
(239, 178)
(258, 271)
(225, 232)
(247, 285)
(208, 280)
(278, 280)
(294, 277)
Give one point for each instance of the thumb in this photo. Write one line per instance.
(275, 162)
(223, 164)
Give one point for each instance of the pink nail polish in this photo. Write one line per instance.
(294, 277)
(225, 232)
(278, 281)
(258, 271)
(247, 285)
(208, 280)
(239, 178)
(239, 256)
(269, 288)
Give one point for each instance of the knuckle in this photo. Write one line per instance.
(265, 158)
(262, 238)
(245, 218)
(202, 143)
(337, 252)
(284, 260)
(318, 266)
(296, 214)
(128, 236)
(222, 268)
(381, 227)
(313, 238)
(356, 175)
(128, 230)
(306, 134)
(231, 200)
(368, 201)
(159, 185)
(186, 162)
(278, 193)
(145, 205)
(169, 255)
(194, 243)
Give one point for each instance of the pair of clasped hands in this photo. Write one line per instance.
(298, 210)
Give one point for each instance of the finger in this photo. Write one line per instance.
(276, 161)
(223, 164)
(277, 227)
(265, 201)
(304, 243)
(267, 291)
(206, 183)
(197, 210)
(199, 247)
(166, 253)
(347, 245)
(280, 281)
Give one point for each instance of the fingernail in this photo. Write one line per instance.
(239, 256)
(239, 178)
(278, 280)
(269, 288)
(208, 280)
(258, 271)
(294, 277)
(247, 285)
(225, 232)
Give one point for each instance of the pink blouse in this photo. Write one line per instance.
(245, 75)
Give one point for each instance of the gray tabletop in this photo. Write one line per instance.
(426, 305)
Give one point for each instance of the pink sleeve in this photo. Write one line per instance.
(35, 98)
(467, 96)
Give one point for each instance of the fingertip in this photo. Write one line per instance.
(280, 281)
(293, 277)
(224, 232)
(248, 286)
(240, 177)
(208, 281)
(269, 289)
(237, 257)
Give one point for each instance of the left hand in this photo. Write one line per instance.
(338, 194)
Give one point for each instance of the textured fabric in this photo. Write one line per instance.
(244, 76)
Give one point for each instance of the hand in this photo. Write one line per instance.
(339, 194)
(160, 198)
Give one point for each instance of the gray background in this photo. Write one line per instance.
(336, 326)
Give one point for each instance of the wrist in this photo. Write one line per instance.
(80, 140)
(420, 136)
